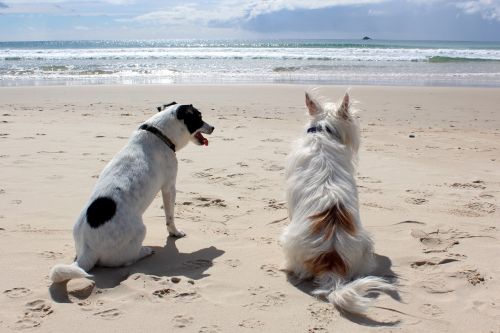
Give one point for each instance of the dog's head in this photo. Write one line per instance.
(182, 123)
(336, 121)
(195, 125)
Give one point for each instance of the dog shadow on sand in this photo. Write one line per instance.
(384, 270)
(167, 261)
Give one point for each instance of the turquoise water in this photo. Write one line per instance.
(377, 62)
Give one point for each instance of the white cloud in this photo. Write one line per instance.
(43, 2)
(231, 10)
(488, 9)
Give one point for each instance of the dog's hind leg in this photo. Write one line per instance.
(168, 195)
(129, 249)
(134, 250)
(144, 251)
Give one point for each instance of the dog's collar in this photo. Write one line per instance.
(320, 128)
(159, 134)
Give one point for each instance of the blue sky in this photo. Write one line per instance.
(477, 20)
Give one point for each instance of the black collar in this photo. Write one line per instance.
(320, 128)
(159, 134)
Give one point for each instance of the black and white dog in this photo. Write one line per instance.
(110, 231)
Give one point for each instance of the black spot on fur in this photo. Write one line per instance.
(191, 117)
(100, 211)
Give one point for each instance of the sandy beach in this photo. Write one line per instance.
(429, 187)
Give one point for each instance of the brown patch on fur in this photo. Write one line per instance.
(327, 221)
(327, 262)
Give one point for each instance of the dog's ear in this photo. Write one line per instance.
(311, 105)
(164, 106)
(343, 111)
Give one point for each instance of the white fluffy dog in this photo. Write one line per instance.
(325, 239)
(110, 231)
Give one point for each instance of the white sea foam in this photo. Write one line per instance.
(80, 62)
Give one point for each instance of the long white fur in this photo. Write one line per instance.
(144, 158)
(320, 173)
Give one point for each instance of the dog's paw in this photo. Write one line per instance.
(177, 233)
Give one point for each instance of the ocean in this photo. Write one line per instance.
(345, 62)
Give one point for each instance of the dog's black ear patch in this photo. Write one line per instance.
(191, 117)
(100, 211)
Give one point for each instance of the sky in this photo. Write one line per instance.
(471, 20)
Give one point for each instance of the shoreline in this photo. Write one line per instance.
(252, 83)
(430, 201)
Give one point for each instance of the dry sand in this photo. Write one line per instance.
(429, 186)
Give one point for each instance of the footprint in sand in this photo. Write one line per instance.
(209, 174)
(38, 308)
(431, 262)
(369, 180)
(416, 201)
(233, 263)
(275, 204)
(26, 323)
(322, 315)
(474, 209)
(17, 292)
(88, 305)
(235, 175)
(365, 189)
(209, 202)
(435, 285)
(375, 205)
(109, 314)
(181, 321)
(472, 276)
(482, 207)
(187, 296)
(431, 310)
(51, 255)
(34, 312)
(210, 329)
(433, 242)
(477, 184)
(270, 300)
(411, 222)
(259, 290)
(272, 140)
(271, 270)
(272, 167)
(251, 323)
(164, 293)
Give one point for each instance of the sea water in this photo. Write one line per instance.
(346, 62)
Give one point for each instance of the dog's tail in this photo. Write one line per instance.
(61, 272)
(353, 296)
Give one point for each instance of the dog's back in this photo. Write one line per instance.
(325, 239)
